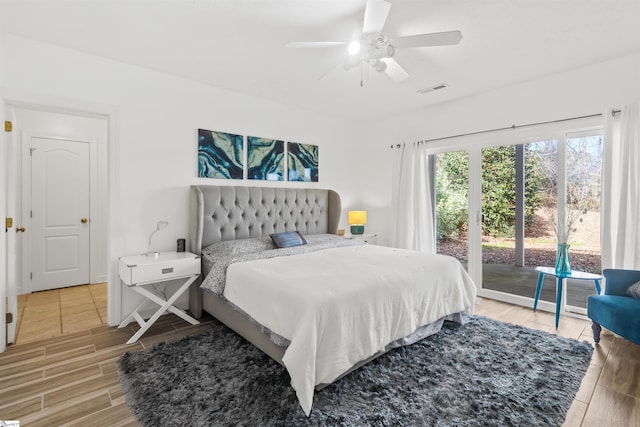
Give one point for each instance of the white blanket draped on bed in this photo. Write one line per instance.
(340, 306)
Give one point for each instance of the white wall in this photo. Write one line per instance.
(158, 116)
(576, 93)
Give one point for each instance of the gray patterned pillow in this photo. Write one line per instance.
(634, 290)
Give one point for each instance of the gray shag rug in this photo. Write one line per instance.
(484, 373)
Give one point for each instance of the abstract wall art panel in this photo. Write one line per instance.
(303, 162)
(265, 158)
(220, 155)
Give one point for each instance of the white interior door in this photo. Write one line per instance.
(59, 213)
(49, 183)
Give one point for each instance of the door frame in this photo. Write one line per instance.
(108, 160)
(4, 163)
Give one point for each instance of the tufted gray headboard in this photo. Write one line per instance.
(220, 213)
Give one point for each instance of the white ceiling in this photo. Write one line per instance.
(239, 44)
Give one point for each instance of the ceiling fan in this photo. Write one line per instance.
(376, 49)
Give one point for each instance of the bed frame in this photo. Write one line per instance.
(221, 213)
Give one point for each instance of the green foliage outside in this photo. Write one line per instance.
(498, 191)
(452, 192)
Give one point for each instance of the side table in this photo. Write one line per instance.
(367, 238)
(140, 270)
(550, 271)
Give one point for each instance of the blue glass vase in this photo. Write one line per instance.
(563, 266)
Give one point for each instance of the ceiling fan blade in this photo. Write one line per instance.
(375, 15)
(394, 70)
(297, 45)
(432, 39)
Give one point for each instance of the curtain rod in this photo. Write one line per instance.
(613, 113)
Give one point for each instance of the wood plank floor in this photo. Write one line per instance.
(72, 379)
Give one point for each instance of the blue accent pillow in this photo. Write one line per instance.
(634, 290)
(287, 239)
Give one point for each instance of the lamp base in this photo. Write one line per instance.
(357, 229)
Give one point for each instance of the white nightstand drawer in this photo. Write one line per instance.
(140, 269)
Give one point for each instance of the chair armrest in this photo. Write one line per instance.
(617, 280)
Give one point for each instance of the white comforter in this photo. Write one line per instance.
(340, 306)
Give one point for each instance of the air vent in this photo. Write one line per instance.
(432, 88)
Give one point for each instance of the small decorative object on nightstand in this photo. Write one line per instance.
(138, 271)
(159, 226)
(357, 220)
(367, 238)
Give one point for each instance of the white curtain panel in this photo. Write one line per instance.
(620, 205)
(412, 222)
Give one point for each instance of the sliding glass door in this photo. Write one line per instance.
(531, 192)
(499, 207)
(516, 236)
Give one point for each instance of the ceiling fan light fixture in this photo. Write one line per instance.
(354, 47)
(378, 65)
(390, 50)
(351, 62)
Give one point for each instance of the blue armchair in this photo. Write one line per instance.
(615, 310)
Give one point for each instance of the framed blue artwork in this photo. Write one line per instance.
(220, 155)
(303, 162)
(265, 158)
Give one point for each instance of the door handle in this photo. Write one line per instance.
(84, 220)
(20, 229)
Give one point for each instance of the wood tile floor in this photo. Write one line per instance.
(72, 380)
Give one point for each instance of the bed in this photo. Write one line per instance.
(321, 309)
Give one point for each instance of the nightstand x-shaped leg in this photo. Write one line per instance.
(164, 306)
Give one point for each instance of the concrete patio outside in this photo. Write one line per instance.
(522, 281)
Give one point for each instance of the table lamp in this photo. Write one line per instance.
(159, 226)
(357, 220)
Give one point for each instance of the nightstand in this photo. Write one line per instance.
(140, 270)
(367, 238)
